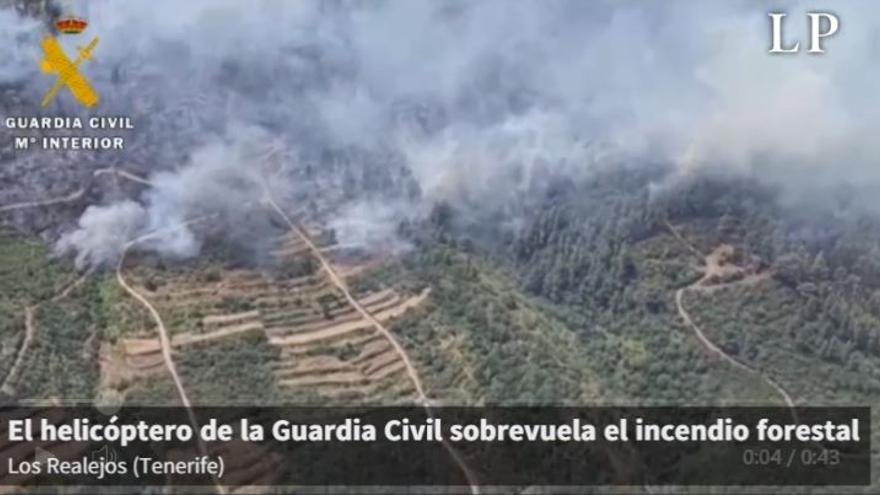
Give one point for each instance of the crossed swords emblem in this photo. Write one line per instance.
(55, 61)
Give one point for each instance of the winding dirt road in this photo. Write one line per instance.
(713, 267)
(122, 173)
(30, 325)
(75, 195)
(343, 287)
(714, 349)
(164, 340)
(48, 202)
(165, 343)
(31, 330)
(22, 351)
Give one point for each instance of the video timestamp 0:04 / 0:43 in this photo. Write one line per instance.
(791, 457)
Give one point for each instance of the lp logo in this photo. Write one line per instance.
(822, 25)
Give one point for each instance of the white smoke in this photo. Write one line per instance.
(20, 39)
(371, 224)
(463, 161)
(102, 233)
(481, 97)
(221, 183)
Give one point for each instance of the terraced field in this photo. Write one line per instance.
(325, 351)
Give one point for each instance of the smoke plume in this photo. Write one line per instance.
(220, 184)
(476, 100)
(19, 36)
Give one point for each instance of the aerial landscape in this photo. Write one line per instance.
(502, 210)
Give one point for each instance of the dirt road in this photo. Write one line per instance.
(165, 343)
(343, 287)
(30, 325)
(122, 173)
(164, 340)
(22, 351)
(714, 349)
(714, 266)
(29, 332)
(48, 202)
(75, 195)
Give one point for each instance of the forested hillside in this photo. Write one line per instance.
(791, 298)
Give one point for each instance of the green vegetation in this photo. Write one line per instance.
(574, 305)
(153, 391)
(236, 304)
(233, 370)
(60, 360)
(480, 340)
(27, 274)
(597, 261)
(477, 340)
(343, 352)
(120, 315)
(762, 326)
